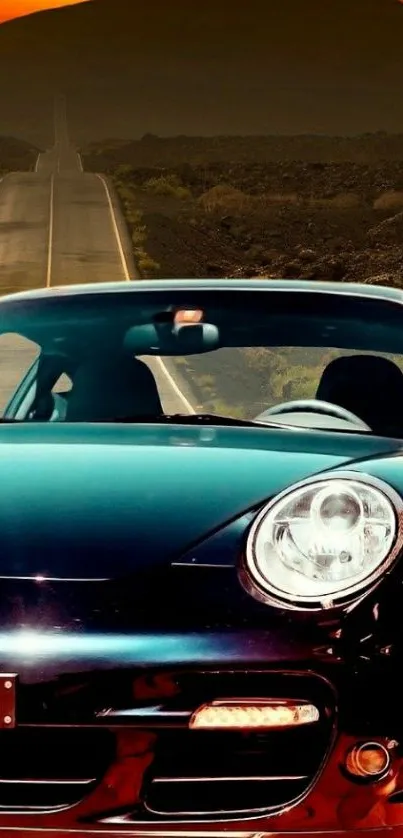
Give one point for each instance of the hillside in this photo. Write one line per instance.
(152, 150)
(17, 155)
(288, 207)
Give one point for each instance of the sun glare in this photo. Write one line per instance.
(17, 8)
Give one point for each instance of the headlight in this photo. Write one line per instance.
(323, 543)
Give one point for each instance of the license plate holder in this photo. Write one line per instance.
(8, 692)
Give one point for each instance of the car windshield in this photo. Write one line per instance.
(170, 355)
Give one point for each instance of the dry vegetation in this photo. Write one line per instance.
(318, 208)
(16, 155)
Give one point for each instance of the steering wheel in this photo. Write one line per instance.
(315, 406)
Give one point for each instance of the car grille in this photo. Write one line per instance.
(46, 769)
(66, 741)
(199, 774)
(231, 772)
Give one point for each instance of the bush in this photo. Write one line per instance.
(147, 266)
(282, 198)
(224, 198)
(123, 170)
(343, 200)
(167, 185)
(139, 235)
(389, 201)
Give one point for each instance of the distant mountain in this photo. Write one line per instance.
(129, 67)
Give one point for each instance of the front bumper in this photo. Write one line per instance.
(89, 755)
(334, 806)
(88, 747)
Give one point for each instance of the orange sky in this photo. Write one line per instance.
(16, 8)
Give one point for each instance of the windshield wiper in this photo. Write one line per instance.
(192, 419)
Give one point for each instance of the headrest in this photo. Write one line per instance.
(112, 388)
(368, 385)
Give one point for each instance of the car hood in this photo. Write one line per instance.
(96, 502)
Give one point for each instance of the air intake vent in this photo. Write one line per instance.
(204, 774)
(43, 769)
(231, 772)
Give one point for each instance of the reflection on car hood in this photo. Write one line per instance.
(102, 501)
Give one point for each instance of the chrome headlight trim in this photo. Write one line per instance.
(261, 589)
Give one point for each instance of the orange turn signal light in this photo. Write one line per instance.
(368, 760)
(253, 715)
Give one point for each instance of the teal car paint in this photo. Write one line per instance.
(125, 518)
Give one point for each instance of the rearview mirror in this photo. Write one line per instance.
(178, 339)
(192, 339)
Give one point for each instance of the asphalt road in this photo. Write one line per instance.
(59, 226)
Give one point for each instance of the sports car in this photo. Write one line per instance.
(201, 528)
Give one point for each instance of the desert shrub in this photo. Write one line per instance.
(147, 266)
(224, 198)
(390, 200)
(139, 235)
(133, 216)
(167, 185)
(282, 198)
(343, 200)
(123, 170)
